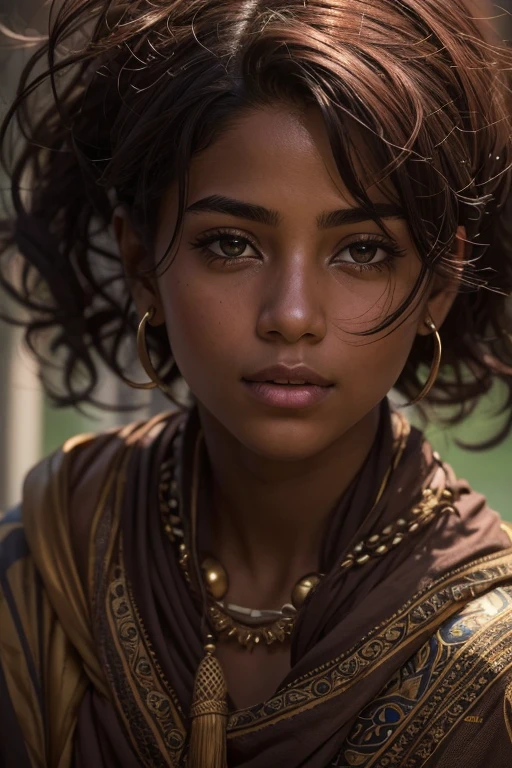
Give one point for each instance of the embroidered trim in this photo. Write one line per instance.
(139, 683)
(415, 617)
(375, 732)
(476, 667)
(146, 702)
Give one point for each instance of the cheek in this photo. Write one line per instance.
(376, 364)
(205, 325)
(360, 302)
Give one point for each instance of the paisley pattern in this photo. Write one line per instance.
(418, 708)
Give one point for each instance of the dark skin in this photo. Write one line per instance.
(290, 289)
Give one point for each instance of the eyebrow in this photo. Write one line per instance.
(261, 215)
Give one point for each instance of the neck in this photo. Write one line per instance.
(269, 517)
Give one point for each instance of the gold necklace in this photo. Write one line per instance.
(252, 627)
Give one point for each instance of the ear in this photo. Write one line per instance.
(136, 260)
(445, 287)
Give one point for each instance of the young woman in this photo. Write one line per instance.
(309, 201)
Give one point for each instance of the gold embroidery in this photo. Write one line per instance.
(388, 724)
(426, 610)
(143, 674)
(508, 530)
(475, 667)
(148, 705)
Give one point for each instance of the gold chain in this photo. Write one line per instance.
(432, 503)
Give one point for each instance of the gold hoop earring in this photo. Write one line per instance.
(144, 358)
(436, 363)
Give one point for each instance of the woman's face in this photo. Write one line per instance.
(277, 267)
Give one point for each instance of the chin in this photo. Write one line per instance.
(285, 440)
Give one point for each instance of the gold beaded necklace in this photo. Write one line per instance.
(252, 627)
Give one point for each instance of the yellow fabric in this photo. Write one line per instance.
(55, 661)
(71, 485)
(46, 522)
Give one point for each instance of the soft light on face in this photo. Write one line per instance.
(276, 266)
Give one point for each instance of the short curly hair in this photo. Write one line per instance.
(113, 106)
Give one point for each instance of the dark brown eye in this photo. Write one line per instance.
(362, 253)
(232, 246)
(227, 246)
(366, 254)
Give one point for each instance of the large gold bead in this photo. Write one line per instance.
(303, 587)
(215, 577)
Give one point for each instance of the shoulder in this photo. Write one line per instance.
(62, 493)
(454, 691)
(489, 611)
(469, 654)
(82, 456)
(18, 588)
(14, 554)
(78, 470)
(10, 522)
(15, 562)
(52, 522)
(13, 543)
(467, 670)
(463, 645)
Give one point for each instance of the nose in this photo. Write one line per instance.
(292, 307)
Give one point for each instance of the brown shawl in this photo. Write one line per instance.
(93, 526)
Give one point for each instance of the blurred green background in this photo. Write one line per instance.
(489, 471)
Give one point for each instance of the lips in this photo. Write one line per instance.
(296, 375)
(285, 386)
(285, 381)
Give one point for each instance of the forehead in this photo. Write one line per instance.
(282, 153)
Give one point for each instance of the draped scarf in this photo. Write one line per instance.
(132, 627)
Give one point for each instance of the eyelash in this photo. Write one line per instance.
(202, 242)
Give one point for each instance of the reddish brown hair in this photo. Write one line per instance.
(137, 88)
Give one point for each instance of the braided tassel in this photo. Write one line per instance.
(209, 712)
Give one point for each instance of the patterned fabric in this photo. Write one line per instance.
(407, 663)
(41, 675)
(380, 644)
(438, 690)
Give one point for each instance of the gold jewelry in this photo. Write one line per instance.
(217, 583)
(145, 360)
(208, 713)
(436, 363)
(250, 627)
